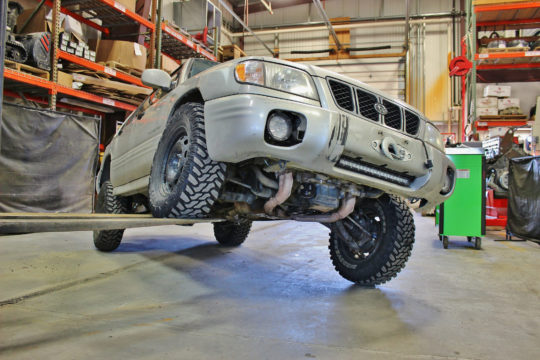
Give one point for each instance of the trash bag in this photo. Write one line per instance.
(524, 197)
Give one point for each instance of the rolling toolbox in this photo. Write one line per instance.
(464, 213)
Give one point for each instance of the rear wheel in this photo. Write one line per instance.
(372, 245)
(184, 181)
(230, 233)
(109, 240)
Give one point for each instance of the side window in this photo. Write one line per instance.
(152, 99)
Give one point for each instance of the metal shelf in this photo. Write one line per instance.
(35, 85)
(113, 14)
(191, 48)
(508, 66)
(521, 14)
(484, 125)
(100, 68)
(43, 100)
(105, 15)
(518, 14)
(529, 56)
(110, 13)
(498, 65)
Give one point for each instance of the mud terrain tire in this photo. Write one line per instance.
(184, 181)
(230, 233)
(391, 225)
(109, 240)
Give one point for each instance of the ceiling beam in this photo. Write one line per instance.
(258, 6)
(328, 23)
(244, 25)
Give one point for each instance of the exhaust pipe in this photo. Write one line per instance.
(283, 193)
(346, 208)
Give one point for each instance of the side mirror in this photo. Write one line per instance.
(156, 79)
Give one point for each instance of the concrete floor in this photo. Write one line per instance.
(171, 292)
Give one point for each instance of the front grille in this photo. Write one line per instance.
(393, 117)
(412, 122)
(342, 94)
(374, 107)
(366, 105)
(379, 172)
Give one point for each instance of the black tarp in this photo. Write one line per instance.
(47, 160)
(524, 197)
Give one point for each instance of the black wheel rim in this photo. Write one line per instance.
(371, 219)
(174, 161)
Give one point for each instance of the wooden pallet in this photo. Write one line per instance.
(26, 69)
(506, 50)
(502, 117)
(495, 2)
(232, 52)
(505, 60)
(113, 94)
(122, 68)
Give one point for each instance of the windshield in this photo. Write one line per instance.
(199, 65)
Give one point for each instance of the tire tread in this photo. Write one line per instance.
(401, 250)
(109, 240)
(231, 234)
(204, 179)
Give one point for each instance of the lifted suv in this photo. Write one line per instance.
(264, 139)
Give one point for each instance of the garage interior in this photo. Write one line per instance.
(470, 288)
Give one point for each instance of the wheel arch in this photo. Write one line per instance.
(105, 172)
(192, 95)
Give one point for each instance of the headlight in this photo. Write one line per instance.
(434, 137)
(276, 76)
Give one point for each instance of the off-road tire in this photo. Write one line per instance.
(391, 254)
(230, 233)
(199, 179)
(109, 240)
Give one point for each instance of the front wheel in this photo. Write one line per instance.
(372, 244)
(184, 181)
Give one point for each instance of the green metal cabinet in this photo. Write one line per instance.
(464, 213)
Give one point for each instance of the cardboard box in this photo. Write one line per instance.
(128, 4)
(497, 90)
(38, 23)
(508, 102)
(129, 54)
(168, 64)
(65, 79)
(487, 111)
(487, 102)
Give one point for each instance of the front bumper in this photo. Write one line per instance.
(235, 127)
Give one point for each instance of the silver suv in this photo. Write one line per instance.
(265, 139)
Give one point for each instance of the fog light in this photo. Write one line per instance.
(279, 127)
(448, 182)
